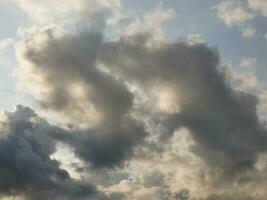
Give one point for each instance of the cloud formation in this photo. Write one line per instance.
(147, 117)
(183, 84)
(89, 98)
(223, 121)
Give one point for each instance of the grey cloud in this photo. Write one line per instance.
(72, 59)
(228, 197)
(184, 194)
(100, 148)
(223, 122)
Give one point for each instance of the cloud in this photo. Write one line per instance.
(259, 5)
(245, 79)
(137, 191)
(232, 13)
(152, 22)
(248, 62)
(249, 32)
(193, 39)
(89, 99)
(240, 13)
(181, 85)
(26, 167)
(146, 121)
(209, 107)
(51, 11)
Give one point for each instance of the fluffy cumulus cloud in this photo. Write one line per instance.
(232, 12)
(242, 14)
(140, 117)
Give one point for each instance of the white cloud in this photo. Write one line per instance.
(232, 13)
(194, 39)
(238, 13)
(259, 5)
(248, 32)
(49, 10)
(151, 22)
(265, 37)
(248, 62)
(247, 81)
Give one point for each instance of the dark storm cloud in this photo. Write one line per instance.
(25, 163)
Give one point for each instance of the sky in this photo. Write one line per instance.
(133, 100)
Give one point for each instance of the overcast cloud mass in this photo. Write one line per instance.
(122, 112)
